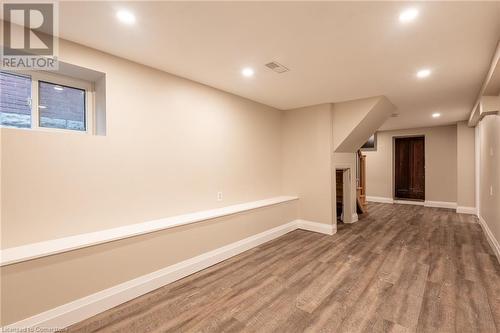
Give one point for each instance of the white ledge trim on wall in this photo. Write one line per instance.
(46, 248)
(88, 306)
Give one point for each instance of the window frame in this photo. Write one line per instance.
(64, 81)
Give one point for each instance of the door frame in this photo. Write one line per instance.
(393, 165)
(348, 204)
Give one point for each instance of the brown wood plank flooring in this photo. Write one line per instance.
(401, 268)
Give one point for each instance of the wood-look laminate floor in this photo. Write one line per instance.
(401, 268)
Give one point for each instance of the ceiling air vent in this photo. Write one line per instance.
(277, 67)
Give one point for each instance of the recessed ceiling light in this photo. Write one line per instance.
(125, 17)
(408, 15)
(247, 72)
(436, 115)
(423, 73)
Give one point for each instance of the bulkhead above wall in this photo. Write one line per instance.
(356, 120)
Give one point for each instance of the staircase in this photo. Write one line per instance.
(361, 183)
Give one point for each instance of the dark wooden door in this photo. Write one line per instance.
(410, 168)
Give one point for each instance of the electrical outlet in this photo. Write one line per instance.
(219, 196)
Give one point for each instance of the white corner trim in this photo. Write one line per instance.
(440, 204)
(466, 210)
(54, 246)
(495, 246)
(323, 228)
(88, 306)
(380, 199)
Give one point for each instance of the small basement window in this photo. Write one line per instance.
(15, 100)
(61, 106)
(45, 101)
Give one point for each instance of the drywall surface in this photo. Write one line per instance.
(307, 158)
(170, 146)
(355, 121)
(466, 196)
(489, 182)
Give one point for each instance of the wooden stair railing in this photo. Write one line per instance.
(361, 183)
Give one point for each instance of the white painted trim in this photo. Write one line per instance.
(437, 204)
(354, 218)
(409, 202)
(440, 204)
(467, 210)
(495, 246)
(328, 229)
(380, 199)
(477, 160)
(54, 246)
(88, 306)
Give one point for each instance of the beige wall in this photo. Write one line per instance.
(307, 154)
(347, 116)
(171, 145)
(489, 142)
(466, 196)
(440, 162)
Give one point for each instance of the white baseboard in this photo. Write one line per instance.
(495, 246)
(86, 307)
(379, 199)
(466, 210)
(437, 204)
(440, 204)
(328, 229)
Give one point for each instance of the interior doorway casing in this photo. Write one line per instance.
(409, 168)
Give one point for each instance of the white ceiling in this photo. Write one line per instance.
(336, 50)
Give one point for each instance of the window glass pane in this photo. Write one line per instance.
(61, 106)
(15, 100)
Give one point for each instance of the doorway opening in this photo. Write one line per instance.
(340, 194)
(409, 168)
(344, 200)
